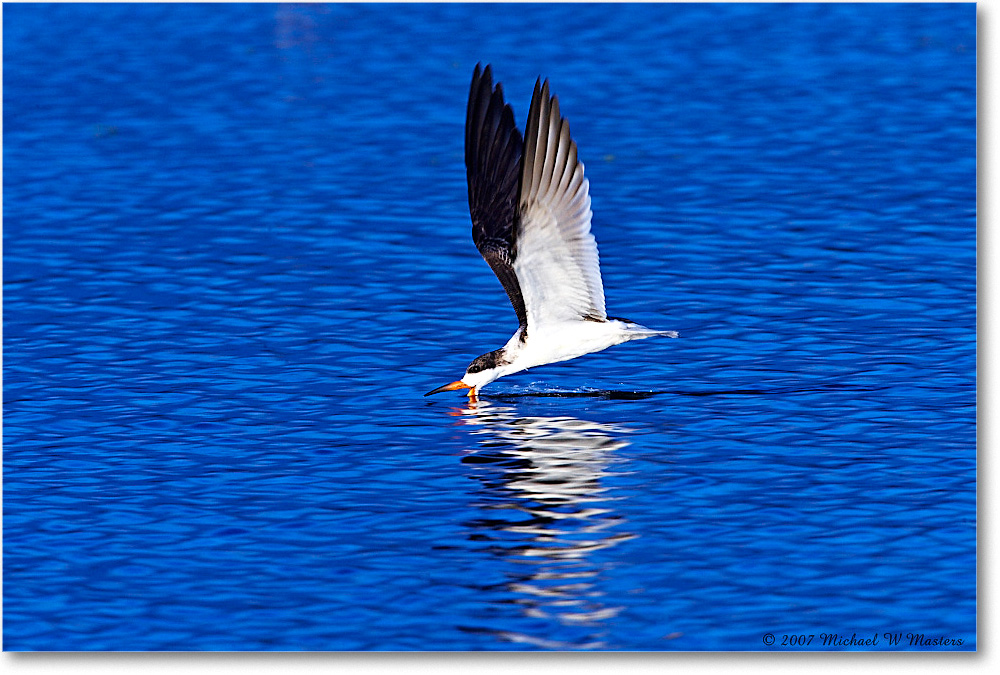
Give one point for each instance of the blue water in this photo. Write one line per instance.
(237, 252)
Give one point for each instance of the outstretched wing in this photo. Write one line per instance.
(556, 259)
(493, 165)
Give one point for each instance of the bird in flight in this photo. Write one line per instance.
(530, 207)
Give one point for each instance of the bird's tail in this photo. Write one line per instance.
(641, 332)
(637, 332)
(634, 331)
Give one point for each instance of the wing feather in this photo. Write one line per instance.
(493, 150)
(556, 259)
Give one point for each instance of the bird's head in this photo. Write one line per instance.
(480, 372)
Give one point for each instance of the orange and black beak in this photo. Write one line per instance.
(458, 384)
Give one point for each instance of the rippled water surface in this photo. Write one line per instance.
(237, 252)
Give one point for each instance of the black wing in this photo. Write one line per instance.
(493, 149)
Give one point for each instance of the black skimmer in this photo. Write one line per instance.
(530, 207)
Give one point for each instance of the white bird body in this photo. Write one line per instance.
(530, 207)
(561, 342)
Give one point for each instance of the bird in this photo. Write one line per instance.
(530, 208)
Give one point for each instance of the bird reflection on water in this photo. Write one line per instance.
(549, 514)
